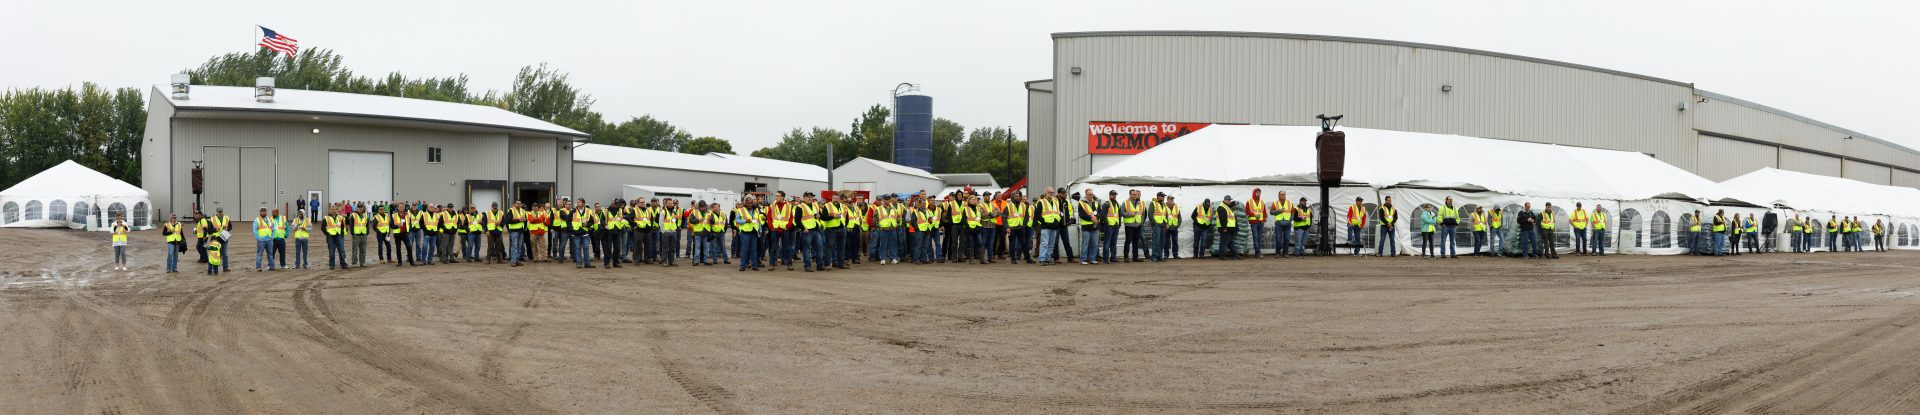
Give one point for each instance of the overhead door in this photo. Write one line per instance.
(359, 176)
(485, 198)
(257, 182)
(220, 177)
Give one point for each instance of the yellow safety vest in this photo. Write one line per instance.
(1049, 211)
(1599, 221)
(359, 223)
(1546, 220)
(333, 225)
(1130, 212)
(381, 223)
(1202, 216)
(119, 234)
(1017, 215)
(263, 227)
(1286, 210)
(1479, 221)
(1356, 215)
(1173, 215)
(1256, 211)
(669, 220)
(300, 228)
(1579, 218)
(213, 252)
(173, 232)
(1387, 216)
(1227, 218)
(1719, 223)
(1302, 217)
(1113, 213)
(746, 220)
(1497, 221)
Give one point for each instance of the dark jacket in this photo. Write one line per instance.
(1529, 221)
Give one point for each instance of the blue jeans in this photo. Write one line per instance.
(1282, 238)
(1089, 245)
(1529, 243)
(1259, 231)
(1046, 244)
(1300, 240)
(262, 249)
(1388, 246)
(985, 241)
(890, 244)
(833, 247)
(429, 245)
(1579, 239)
(749, 250)
(1110, 245)
(1479, 237)
(1496, 236)
(1356, 238)
(1157, 237)
(1447, 240)
(1719, 242)
(920, 252)
(582, 242)
(1600, 241)
(814, 241)
(299, 253)
(515, 247)
(715, 246)
(173, 258)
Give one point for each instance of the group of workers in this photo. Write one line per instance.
(825, 233)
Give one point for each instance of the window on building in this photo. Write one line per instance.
(57, 211)
(12, 212)
(33, 210)
(1660, 230)
(434, 155)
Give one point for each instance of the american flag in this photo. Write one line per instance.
(277, 42)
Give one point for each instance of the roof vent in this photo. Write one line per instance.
(180, 86)
(263, 89)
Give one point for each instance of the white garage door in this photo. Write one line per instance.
(484, 199)
(359, 176)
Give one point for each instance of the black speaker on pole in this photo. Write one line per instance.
(1332, 148)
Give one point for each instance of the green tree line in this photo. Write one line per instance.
(97, 127)
(992, 150)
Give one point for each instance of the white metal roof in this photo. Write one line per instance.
(896, 168)
(1812, 192)
(288, 100)
(966, 179)
(717, 163)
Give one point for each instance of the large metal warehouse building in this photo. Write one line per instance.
(342, 146)
(1120, 83)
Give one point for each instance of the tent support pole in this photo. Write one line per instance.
(1326, 208)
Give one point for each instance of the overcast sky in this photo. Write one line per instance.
(750, 71)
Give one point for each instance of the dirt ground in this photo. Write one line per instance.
(1820, 333)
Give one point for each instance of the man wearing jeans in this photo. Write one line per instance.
(1529, 224)
(1282, 225)
(1496, 233)
(1389, 245)
(1049, 214)
(1356, 222)
(1257, 219)
(1449, 222)
(1203, 229)
(1579, 221)
(516, 224)
(1089, 216)
(1302, 222)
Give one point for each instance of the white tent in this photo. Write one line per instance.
(1644, 196)
(1821, 198)
(73, 196)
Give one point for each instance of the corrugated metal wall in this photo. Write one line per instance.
(300, 156)
(1906, 178)
(1042, 170)
(1258, 80)
(1866, 172)
(1809, 163)
(1286, 79)
(157, 150)
(1722, 159)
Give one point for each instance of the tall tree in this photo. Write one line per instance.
(946, 144)
(643, 132)
(545, 93)
(996, 151)
(871, 135)
(808, 146)
(708, 144)
(90, 125)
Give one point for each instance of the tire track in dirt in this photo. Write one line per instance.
(709, 394)
(1722, 392)
(441, 384)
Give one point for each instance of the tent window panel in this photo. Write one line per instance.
(114, 211)
(1463, 234)
(1313, 231)
(140, 214)
(1562, 229)
(1660, 230)
(1819, 234)
(12, 212)
(1629, 221)
(80, 215)
(33, 210)
(57, 211)
(1685, 229)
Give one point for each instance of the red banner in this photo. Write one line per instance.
(1120, 137)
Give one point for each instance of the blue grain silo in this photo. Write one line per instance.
(913, 133)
